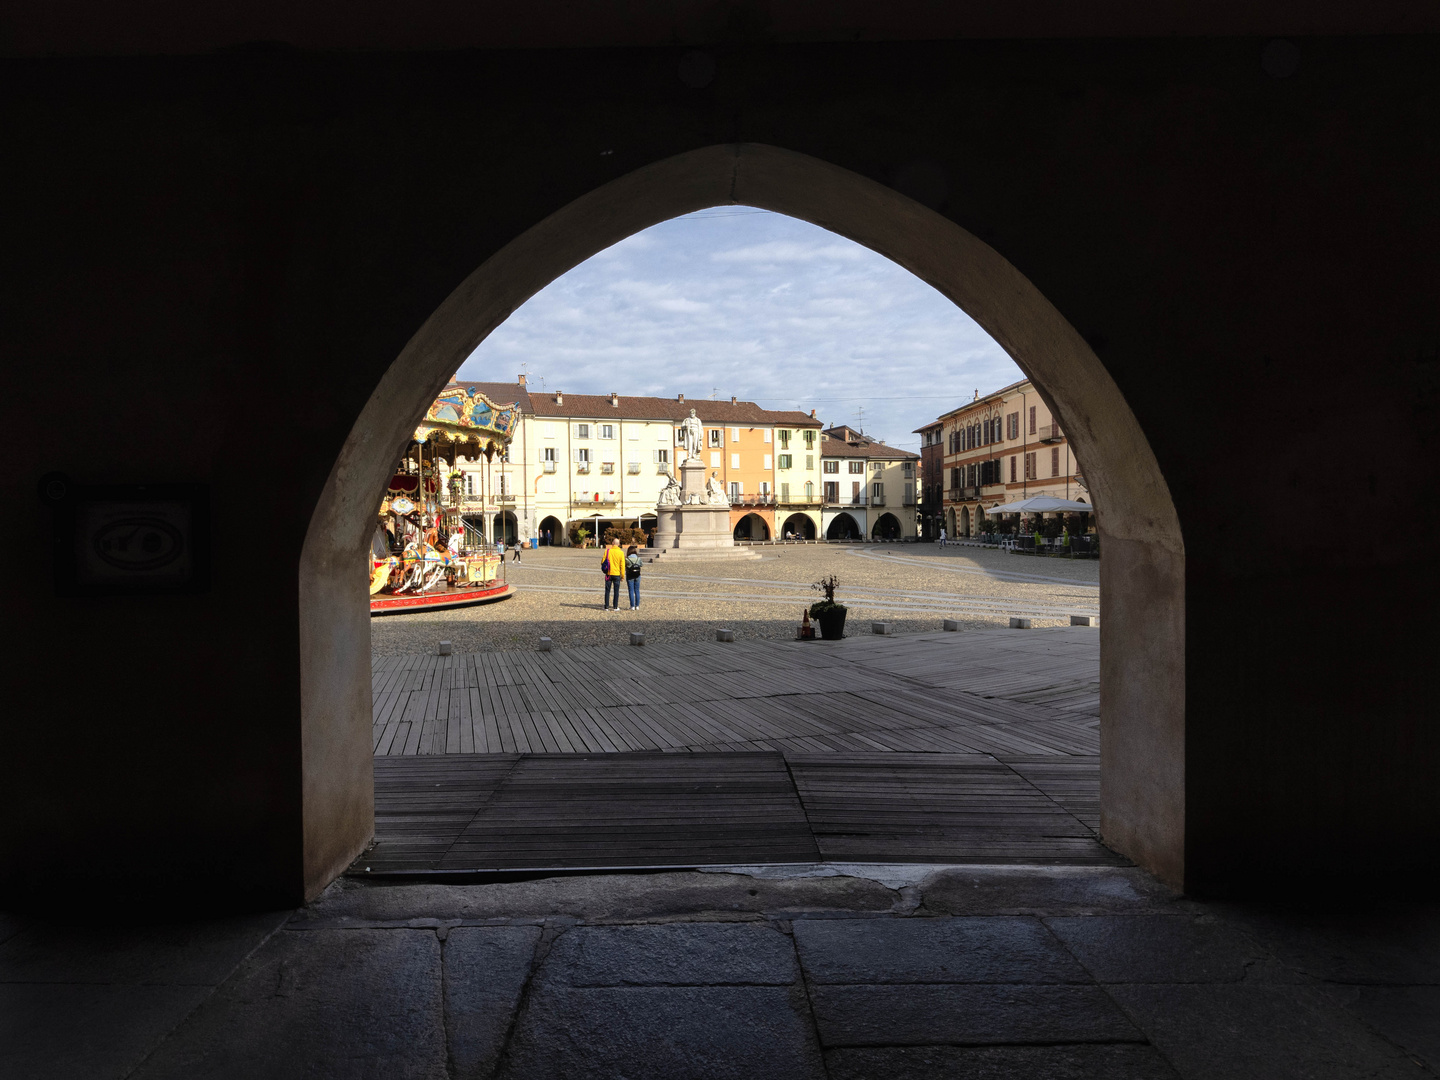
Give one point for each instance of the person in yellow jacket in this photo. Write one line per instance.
(614, 567)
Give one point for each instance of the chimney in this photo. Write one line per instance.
(559, 398)
(682, 399)
(614, 400)
(977, 393)
(812, 414)
(522, 378)
(456, 379)
(732, 399)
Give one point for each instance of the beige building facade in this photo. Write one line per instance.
(1000, 448)
(868, 489)
(591, 461)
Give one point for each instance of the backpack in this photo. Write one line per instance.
(632, 563)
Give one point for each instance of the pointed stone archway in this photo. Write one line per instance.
(1143, 799)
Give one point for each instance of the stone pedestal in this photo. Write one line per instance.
(695, 529)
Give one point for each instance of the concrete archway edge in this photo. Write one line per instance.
(1142, 615)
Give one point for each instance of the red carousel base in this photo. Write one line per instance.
(443, 598)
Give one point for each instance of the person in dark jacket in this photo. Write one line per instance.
(632, 575)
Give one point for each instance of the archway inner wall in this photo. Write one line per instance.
(1142, 617)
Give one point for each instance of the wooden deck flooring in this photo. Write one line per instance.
(989, 692)
(973, 747)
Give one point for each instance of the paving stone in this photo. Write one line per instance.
(663, 1033)
(85, 1031)
(193, 954)
(1241, 1032)
(1380, 944)
(485, 971)
(958, 950)
(605, 898)
(1160, 948)
(967, 1013)
(318, 1004)
(1408, 1016)
(695, 954)
(1124, 1061)
(1054, 890)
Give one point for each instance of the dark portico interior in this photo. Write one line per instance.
(221, 234)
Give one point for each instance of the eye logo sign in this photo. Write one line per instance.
(139, 544)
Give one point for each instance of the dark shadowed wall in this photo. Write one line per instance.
(209, 263)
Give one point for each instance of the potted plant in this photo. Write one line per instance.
(829, 614)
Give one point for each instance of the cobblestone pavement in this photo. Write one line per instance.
(838, 971)
(558, 594)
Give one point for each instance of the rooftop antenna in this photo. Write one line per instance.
(860, 419)
(713, 391)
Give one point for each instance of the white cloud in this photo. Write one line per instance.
(757, 305)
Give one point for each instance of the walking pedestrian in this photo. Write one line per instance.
(613, 566)
(515, 551)
(942, 537)
(632, 575)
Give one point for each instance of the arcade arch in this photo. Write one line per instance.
(552, 531)
(844, 527)
(752, 527)
(886, 527)
(798, 527)
(1143, 597)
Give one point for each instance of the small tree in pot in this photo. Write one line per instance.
(829, 614)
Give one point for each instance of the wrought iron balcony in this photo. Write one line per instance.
(797, 500)
(1050, 433)
(594, 498)
(757, 499)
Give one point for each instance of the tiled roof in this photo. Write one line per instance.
(506, 393)
(598, 406)
(865, 448)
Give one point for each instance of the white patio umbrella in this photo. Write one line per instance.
(1043, 504)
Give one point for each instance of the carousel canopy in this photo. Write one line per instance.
(460, 416)
(1043, 504)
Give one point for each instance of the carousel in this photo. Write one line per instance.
(420, 559)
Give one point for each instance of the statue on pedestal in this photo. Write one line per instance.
(715, 492)
(670, 493)
(692, 436)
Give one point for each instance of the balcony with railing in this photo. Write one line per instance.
(848, 500)
(754, 499)
(633, 468)
(594, 498)
(548, 466)
(877, 500)
(582, 467)
(1050, 433)
(797, 500)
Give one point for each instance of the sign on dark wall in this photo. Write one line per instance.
(129, 538)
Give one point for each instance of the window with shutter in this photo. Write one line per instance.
(1012, 468)
(1054, 461)
(1032, 419)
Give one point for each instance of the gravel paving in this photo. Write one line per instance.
(915, 586)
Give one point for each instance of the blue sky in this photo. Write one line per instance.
(745, 302)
